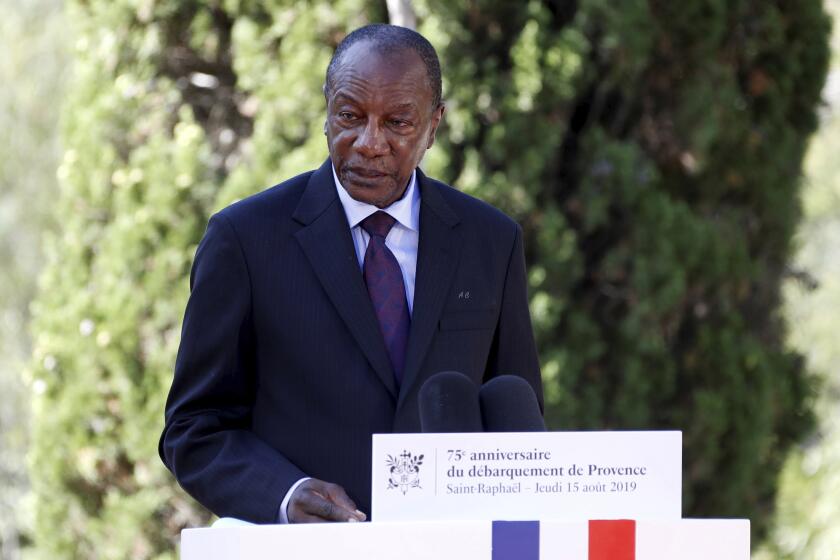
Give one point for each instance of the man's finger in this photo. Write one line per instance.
(326, 509)
(307, 506)
(316, 504)
(316, 500)
(337, 495)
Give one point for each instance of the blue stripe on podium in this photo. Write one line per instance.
(516, 540)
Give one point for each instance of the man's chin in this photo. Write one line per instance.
(377, 193)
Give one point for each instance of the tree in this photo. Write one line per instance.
(162, 126)
(651, 152)
(804, 526)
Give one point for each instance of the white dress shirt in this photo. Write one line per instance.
(402, 240)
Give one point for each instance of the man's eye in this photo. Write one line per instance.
(346, 116)
(400, 123)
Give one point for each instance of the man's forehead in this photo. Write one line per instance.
(405, 102)
(379, 66)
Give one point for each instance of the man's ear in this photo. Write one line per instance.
(436, 118)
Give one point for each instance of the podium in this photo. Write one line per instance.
(683, 539)
(504, 496)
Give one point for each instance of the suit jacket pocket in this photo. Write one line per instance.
(468, 320)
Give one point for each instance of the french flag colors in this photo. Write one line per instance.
(686, 539)
(607, 540)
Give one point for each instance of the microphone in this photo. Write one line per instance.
(448, 402)
(509, 404)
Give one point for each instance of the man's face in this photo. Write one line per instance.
(380, 121)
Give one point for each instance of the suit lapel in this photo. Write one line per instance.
(437, 258)
(327, 243)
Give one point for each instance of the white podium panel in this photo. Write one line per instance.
(567, 476)
(685, 539)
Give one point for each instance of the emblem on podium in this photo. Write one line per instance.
(404, 471)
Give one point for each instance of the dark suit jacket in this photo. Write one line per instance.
(282, 371)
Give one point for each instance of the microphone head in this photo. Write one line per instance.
(509, 404)
(448, 402)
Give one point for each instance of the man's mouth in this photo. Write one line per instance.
(365, 173)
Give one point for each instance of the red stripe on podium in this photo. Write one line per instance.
(612, 540)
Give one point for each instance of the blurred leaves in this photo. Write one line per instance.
(159, 133)
(32, 73)
(657, 183)
(806, 526)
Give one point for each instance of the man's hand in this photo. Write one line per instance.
(316, 501)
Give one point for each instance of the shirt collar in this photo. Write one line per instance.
(406, 210)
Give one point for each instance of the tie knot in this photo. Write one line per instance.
(378, 224)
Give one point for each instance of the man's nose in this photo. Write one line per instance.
(371, 141)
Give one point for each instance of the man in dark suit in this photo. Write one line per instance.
(320, 306)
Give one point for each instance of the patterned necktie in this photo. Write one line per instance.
(384, 281)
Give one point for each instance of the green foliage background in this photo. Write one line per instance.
(805, 526)
(652, 151)
(32, 77)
